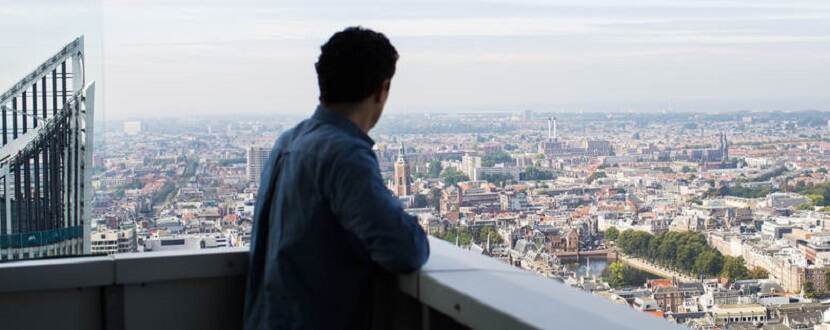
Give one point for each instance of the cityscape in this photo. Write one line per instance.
(706, 220)
(574, 164)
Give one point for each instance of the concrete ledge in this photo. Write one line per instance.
(63, 273)
(163, 266)
(459, 285)
(483, 293)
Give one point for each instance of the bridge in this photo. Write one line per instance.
(610, 254)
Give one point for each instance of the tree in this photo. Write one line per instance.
(804, 206)
(420, 200)
(594, 176)
(434, 168)
(757, 272)
(462, 235)
(687, 169)
(534, 173)
(708, 262)
(827, 279)
(734, 268)
(822, 190)
(162, 194)
(686, 255)
(451, 176)
(815, 199)
(809, 290)
(616, 274)
(491, 159)
(612, 234)
(434, 198)
(481, 235)
(497, 178)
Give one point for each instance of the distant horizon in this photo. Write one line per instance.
(244, 116)
(460, 55)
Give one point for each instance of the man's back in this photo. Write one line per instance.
(324, 222)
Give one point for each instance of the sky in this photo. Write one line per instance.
(160, 58)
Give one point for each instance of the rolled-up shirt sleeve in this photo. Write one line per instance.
(367, 209)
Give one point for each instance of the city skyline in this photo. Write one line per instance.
(463, 56)
(571, 164)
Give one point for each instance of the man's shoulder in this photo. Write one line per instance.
(321, 139)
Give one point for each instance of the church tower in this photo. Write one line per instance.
(403, 185)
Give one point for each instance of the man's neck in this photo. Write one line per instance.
(355, 112)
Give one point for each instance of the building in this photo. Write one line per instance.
(403, 181)
(469, 163)
(185, 242)
(782, 200)
(595, 147)
(46, 159)
(798, 315)
(740, 313)
(817, 250)
(513, 200)
(484, 173)
(562, 240)
(107, 241)
(256, 159)
(132, 127)
(104, 242)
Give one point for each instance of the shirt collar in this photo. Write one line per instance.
(340, 121)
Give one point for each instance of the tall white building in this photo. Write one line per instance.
(469, 164)
(257, 157)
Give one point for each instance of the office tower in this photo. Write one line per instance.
(46, 159)
(257, 157)
(724, 147)
(403, 184)
(469, 164)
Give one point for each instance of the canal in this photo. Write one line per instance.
(594, 266)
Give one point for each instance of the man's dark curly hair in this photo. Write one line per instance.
(353, 65)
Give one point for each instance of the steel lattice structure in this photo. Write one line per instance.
(46, 159)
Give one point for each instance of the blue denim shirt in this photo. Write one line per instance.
(324, 225)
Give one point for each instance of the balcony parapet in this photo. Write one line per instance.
(204, 289)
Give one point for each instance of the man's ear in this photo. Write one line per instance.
(383, 92)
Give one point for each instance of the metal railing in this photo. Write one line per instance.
(46, 134)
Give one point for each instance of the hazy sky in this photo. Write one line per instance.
(191, 57)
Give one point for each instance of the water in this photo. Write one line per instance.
(597, 265)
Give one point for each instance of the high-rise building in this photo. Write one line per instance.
(469, 164)
(46, 159)
(257, 157)
(724, 146)
(403, 183)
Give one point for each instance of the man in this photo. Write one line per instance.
(325, 224)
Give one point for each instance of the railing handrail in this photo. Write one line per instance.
(71, 49)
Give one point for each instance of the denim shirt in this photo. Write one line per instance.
(324, 224)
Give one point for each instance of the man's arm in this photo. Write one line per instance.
(367, 209)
